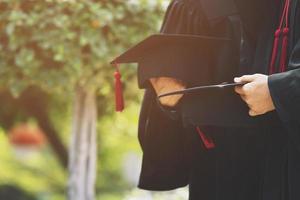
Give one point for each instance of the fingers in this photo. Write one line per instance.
(239, 90)
(253, 93)
(252, 113)
(245, 78)
(244, 97)
(245, 89)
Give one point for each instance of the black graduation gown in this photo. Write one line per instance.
(260, 162)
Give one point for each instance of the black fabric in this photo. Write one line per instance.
(259, 162)
(237, 168)
(216, 9)
(177, 60)
(285, 85)
(182, 17)
(159, 173)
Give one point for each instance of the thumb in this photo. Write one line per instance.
(245, 78)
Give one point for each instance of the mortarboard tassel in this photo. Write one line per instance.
(284, 48)
(284, 51)
(283, 58)
(207, 141)
(118, 90)
(275, 51)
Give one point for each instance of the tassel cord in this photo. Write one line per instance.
(207, 141)
(119, 99)
(281, 33)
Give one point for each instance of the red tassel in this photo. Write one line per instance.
(285, 31)
(274, 52)
(207, 141)
(284, 51)
(118, 91)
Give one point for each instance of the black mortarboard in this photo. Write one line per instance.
(197, 61)
(189, 58)
(138, 52)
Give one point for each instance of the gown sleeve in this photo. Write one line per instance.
(285, 92)
(163, 140)
(285, 89)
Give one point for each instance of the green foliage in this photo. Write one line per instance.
(59, 43)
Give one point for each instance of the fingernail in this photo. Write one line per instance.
(237, 80)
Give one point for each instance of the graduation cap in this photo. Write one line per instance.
(154, 42)
(189, 58)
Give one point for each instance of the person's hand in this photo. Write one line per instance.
(163, 85)
(255, 93)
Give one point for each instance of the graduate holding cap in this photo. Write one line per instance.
(238, 140)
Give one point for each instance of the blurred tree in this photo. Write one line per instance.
(64, 47)
(31, 103)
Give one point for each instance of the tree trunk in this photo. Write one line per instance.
(83, 149)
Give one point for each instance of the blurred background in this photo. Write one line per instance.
(57, 110)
